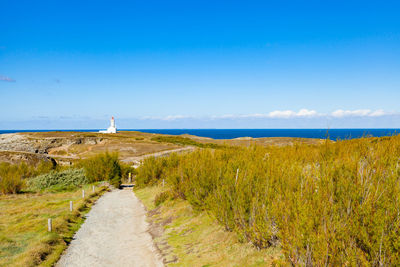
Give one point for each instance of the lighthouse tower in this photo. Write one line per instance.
(112, 123)
(112, 128)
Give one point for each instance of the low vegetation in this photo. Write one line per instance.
(44, 191)
(24, 239)
(15, 178)
(191, 238)
(179, 140)
(58, 180)
(329, 204)
(12, 176)
(103, 167)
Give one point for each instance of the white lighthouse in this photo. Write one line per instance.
(112, 128)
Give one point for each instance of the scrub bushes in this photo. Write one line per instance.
(103, 167)
(179, 140)
(68, 179)
(10, 179)
(12, 176)
(151, 170)
(330, 204)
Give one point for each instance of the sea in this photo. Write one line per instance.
(333, 134)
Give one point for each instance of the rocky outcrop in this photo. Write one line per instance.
(26, 143)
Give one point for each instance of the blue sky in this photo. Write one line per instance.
(199, 64)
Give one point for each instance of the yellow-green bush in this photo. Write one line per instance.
(330, 204)
(12, 176)
(11, 181)
(103, 167)
(152, 169)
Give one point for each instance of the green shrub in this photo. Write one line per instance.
(330, 204)
(12, 175)
(103, 167)
(59, 180)
(126, 169)
(161, 198)
(153, 169)
(11, 181)
(150, 171)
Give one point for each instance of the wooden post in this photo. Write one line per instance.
(93, 188)
(71, 206)
(130, 178)
(237, 174)
(49, 228)
(83, 193)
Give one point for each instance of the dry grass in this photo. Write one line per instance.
(249, 141)
(190, 238)
(24, 240)
(130, 144)
(329, 204)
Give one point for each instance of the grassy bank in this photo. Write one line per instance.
(327, 204)
(191, 238)
(24, 239)
(31, 194)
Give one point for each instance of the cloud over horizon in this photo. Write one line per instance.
(278, 119)
(283, 114)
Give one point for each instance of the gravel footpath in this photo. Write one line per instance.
(115, 233)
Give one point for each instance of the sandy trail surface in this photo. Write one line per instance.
(115, 233)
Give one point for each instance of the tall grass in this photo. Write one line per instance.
(330, 204)
(12, 176)
(103, 167)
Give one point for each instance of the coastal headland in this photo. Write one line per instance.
(65, 148)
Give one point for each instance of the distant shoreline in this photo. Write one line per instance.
(333, 134)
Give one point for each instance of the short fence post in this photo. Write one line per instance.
(71, 206)
(49, 228)
(83, 193)
(93, 188)
(130, 178)
(237, 174)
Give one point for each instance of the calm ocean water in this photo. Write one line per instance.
(333, 134)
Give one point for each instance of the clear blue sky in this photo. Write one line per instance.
(199, 64)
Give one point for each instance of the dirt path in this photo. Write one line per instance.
(115, 233)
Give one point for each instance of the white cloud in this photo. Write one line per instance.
(307, 113)
(378, 113)
(358, 113)
(279, 114)
(283, 114)
(174, 117)
(166, 118)
(286, 114)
